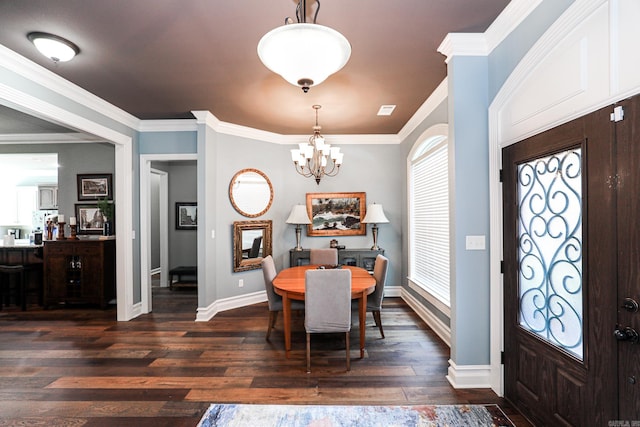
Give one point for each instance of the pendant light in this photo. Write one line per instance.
(304, 54)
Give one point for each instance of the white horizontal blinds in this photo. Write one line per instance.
(430, 219)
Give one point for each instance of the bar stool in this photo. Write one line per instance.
(6, 291)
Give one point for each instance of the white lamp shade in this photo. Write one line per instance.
(375, 215)
(304, 51)
(298, 215)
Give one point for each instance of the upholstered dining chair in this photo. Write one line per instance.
(327, 306)
(374, 300)
(274, 300)
(327, 256)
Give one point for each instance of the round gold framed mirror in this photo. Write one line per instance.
(251, 192)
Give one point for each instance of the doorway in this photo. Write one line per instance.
(146, 233)
(571, 270)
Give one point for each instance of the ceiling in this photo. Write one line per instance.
(161, 59)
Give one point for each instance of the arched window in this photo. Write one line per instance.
(429, 215)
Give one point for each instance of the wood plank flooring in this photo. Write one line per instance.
(79, 367)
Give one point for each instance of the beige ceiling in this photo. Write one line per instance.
(161, 59)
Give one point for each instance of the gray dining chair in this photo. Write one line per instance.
(374, 300)
(327, 306)
(274, 300)
(327, 256)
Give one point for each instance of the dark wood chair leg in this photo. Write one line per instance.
(348, 353)
(273, 316)
(308, 353)
(378, 320)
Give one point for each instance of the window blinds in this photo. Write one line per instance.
(429, 264)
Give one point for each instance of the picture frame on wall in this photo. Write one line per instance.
(95, 186)
(336, 214)
(89, 218)
(186, 216)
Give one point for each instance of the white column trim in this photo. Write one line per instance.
(469, 376)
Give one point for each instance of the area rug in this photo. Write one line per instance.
(236, 415)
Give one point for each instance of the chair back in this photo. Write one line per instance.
(374, 300)
(327, 301)
(255, 247)
(327, 256)
(269, 272)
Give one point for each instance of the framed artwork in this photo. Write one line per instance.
(95, 186)
(336, 214)
(90, 219)
(186, 216)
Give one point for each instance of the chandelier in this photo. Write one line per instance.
(315, 158)
(304, 54)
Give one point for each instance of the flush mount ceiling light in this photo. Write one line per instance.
(304, 54)
(54, 47)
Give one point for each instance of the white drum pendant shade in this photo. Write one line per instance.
(304, 54)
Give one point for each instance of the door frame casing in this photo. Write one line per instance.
(163, 225)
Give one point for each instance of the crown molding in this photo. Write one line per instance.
(48, 138)
(433, 101)
(482, 44)
(206, 117)
(42, 76)
(173, 125)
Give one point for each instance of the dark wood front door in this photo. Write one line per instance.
(571, 261)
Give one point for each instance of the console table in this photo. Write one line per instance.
(79, 271)
(364, 258)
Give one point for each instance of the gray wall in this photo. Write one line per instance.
(183, 187)
(373, 169)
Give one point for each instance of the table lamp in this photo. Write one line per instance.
(375, 215)
(298, 216)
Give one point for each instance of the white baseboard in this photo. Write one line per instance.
(441, 329)
(136, 310)
(469, 376)
(204, 314)
(392, 291)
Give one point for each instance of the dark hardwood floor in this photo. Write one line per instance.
(79, 367)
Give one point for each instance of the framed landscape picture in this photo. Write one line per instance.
(95, 186)
(336, 214)
(186, 216)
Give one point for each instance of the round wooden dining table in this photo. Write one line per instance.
(289, 284)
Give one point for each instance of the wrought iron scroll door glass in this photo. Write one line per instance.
(550, 249)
